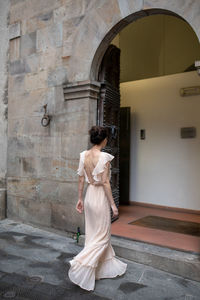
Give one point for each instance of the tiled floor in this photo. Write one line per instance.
(155, 236)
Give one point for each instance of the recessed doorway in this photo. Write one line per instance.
(157, 55)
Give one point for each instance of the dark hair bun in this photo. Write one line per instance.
(98, 134)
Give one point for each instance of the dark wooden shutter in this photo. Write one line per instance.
(124, 161)
(108, 110)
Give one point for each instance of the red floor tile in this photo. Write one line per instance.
(155, 236)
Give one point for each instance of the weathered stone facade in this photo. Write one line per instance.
(56, 47)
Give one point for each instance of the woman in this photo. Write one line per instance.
(97, 259)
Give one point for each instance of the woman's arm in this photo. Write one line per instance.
(79, 205)
(81, 181)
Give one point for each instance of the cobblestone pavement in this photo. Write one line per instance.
(33, 265)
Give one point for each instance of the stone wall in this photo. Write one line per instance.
(4, 10)
(42, 161)
(52, 43)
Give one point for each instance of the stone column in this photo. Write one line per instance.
(86, 91)
(81, 95)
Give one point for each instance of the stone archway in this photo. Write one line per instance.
(98, 28)
(104, 21)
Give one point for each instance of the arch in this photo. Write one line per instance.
(104, 21)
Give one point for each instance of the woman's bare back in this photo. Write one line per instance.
(90, 162)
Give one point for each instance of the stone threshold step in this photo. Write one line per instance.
(176, 262)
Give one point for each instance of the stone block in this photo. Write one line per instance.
(33, 62)
(109, 13)
(93, 112)
(57, 77)
(72, 8)
(59, 14)
(67, 48)
(12, 206)
(2, 182)
(128, 6)
(2, 203)
(35, 81)
(70, 25)
(68, 170)
(16, 84)
(51, 59)
(14, 30)
(20, 146)
(22, 166)
(14, 166)
(44, 169)
(35, 212)
(38, 22)
(73, 145)
(29, 166)
(23, 187)
(71, 124)
(48, 146)
(15, 127)
(13, 2)
(65, 217)
(18, 67)
(17, 10)
(57, 168)
(14, 49)
(47, 190)
(31, 103)
(30, 9)
(68, 192)
(49, 37)
(3, 156)
(69, 30)
(32, 127)
(28, 44)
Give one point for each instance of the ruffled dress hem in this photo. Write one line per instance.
(85, 276)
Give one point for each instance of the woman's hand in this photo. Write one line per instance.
(114, 210)
(80, 206)
(97, 183)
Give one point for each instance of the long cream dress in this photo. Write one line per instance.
(97, 259)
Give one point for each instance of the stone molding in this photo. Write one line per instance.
(81, 90)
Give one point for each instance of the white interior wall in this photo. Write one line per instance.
(165, 169)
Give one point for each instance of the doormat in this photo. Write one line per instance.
(168, 224)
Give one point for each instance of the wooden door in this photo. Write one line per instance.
(108, 110)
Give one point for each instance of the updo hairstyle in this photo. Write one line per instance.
(98, 134)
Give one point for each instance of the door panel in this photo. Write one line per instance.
(124, 161)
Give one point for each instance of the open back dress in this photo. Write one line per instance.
(97, 259)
